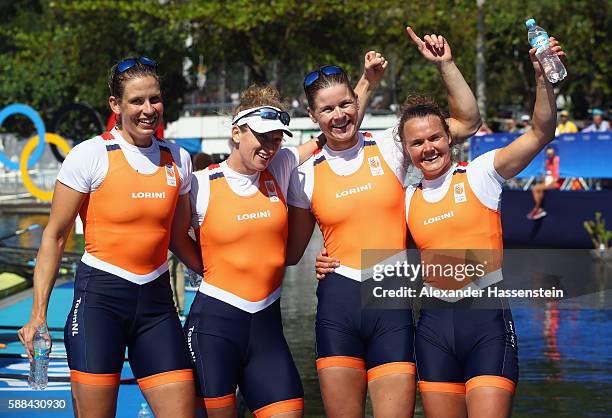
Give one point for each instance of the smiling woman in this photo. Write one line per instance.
(466, 350)
(427, 145)
(127, 185)
(239, 210)
(353, 190)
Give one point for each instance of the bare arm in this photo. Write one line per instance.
(464, 118)
(181, 243)
(64, 208)
(374, 69)
(513, 158)
(308, 148)
(301, 225)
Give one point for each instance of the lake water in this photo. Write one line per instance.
(564, 354)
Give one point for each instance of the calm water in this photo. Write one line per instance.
(565, 356)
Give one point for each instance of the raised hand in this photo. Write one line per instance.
(325, 264)
(555, 47)
(374, 67)
(433, 47)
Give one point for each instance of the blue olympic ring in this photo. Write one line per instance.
(27, 111)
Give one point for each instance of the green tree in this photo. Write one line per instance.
(56, 52)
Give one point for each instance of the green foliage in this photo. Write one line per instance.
(59, 52)
(580, 25)
(56, 52)
(596, 229)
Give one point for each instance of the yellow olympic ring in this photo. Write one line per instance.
(23, 163)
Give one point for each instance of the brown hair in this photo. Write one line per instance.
(259, 95)
(416, 106)
(116, 81)
(326, 81)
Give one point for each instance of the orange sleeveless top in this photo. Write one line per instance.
(243, 238)
(458, 229)
(361, 211)
(127, 220)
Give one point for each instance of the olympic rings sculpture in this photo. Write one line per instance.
(35, 147)
(28, 112)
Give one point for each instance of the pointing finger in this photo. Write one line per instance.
(414, 36)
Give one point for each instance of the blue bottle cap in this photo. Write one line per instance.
(530, 22)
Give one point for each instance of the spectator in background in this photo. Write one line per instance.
(201, 160)
(599, 124)
(551, 181)
(526, 124)
(565, 126)
(511, 126)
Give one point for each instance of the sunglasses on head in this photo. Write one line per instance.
(268, 113)
(313, 76)
(128, 63)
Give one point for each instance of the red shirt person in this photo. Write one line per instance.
(551, 181)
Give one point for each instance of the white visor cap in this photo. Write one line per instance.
(259, 124)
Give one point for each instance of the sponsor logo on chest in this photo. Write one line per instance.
(438, 218)
(170, 176)
(148, 195)
(459, 193)
(375, 166)
(254, 215)
(354, 190)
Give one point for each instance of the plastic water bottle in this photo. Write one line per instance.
(39, 365)
(538, 38)
(144, 411)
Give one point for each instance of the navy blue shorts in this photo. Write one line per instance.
(459, 348)
(233, 348)
(380, 341)
(110, 314)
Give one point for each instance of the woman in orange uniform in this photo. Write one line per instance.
(234, 329)
(466, 347)
(353, 189)
(127, 185)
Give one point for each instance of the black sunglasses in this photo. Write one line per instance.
(268, 113)
(313, 76)
(128, 63)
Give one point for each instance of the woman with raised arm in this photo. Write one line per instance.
(234, 327)
(466, 348)
(353, 188)
(131, 190)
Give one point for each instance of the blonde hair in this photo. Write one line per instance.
(259, 95)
